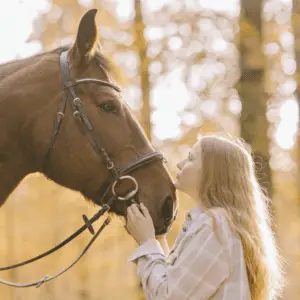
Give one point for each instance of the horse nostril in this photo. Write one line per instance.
(167, 209)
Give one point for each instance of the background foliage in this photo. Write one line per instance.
(187, 67)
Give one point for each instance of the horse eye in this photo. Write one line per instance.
(108, 107)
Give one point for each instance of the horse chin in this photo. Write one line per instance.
(160, 230)
(119, 208)
(117, 218)
(88, 199)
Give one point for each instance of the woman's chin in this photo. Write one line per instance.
(177, 184)
(179, 187)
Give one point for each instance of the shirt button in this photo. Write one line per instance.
(188, 216)
(184, 229)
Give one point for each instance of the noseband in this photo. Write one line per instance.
(117, 174)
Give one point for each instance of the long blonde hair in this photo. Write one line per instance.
(229, 181)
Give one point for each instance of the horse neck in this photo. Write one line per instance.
(11, 173)
(13, 164)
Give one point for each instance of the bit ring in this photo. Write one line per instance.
(130, 194)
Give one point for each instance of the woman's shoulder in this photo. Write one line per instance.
(208, 216)
(212, 217)
(217, 219)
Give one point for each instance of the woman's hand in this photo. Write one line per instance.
(140, 225)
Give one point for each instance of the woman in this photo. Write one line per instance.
(225, 249)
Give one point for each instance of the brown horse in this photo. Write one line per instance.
(31, 91)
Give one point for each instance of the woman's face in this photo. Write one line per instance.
(189, 175)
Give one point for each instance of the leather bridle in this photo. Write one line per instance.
(116, 174)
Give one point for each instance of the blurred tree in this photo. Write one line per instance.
(253, 119)
(141, 48)
(295, 257)
(296, 30)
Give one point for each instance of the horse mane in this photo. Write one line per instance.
(16, 65)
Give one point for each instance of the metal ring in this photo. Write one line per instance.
(130, 194)
(61, 114)
(110, 165)
(76, 114)
(77, 102)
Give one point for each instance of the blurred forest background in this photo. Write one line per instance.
(187, 67)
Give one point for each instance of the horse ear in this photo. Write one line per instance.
(86, 35)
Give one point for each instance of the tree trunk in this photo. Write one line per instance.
(141, 48)
(253, 121)
(294, 270)
(296, 30)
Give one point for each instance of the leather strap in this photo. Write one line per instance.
(141, 161)
(93, 80)
(47, 278)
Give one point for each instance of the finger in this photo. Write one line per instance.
(130, 214)
(129, 210)
(145, 211)
(135, 210)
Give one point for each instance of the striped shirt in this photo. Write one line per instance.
(200, 265)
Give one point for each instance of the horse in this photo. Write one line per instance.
(95, 146)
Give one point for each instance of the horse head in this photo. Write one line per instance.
(34, 90)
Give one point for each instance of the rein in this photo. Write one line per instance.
(46, 278)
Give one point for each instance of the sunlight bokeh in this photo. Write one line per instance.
(170, 95)
(287, 129)
(16, 25)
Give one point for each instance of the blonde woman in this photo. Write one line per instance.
(225, 249)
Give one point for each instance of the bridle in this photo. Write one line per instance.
(116, 174)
